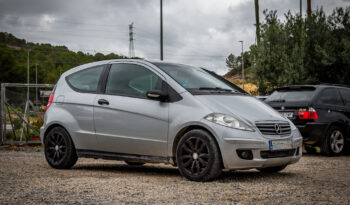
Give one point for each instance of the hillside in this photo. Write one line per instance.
(51, 60)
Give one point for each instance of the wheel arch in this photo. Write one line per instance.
(54, 125)
(341, 125)
(186, 129)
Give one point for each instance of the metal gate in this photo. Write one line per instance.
(22, 112)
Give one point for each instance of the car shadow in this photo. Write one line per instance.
(153, 170)
(248, 175)
(121, 168)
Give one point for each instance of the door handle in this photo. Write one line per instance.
(103, 102)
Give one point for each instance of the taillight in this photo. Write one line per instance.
(50, 101)
(310, 114)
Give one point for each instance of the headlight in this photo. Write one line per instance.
(228, 121)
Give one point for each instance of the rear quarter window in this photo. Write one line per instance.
(345, 93)
(329, 96)
(85, 80)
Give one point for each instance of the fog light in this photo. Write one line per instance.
(245, 154)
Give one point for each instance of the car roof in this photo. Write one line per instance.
(325, 85)
(103, 62)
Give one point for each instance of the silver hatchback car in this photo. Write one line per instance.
(141, 111)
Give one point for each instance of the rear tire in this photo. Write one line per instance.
(59, 149)
(198, 156)
(272, 169)
(134, 163)
(334, 142)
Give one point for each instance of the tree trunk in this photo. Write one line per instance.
(308, 8)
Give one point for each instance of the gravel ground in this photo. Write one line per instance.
(26, 178)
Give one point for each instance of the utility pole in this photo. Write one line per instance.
(242, 66)
(27, 103)
(28, 75)
(308, 8)
(301, 8)
(36, 82)
(161, 30)
(131, 40)
(257, 21)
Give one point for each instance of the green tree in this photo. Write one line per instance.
(51, 60)
(302, 51)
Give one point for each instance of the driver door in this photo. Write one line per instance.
(126, 121)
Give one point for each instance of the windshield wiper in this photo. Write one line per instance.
(276, 101)
(216, 88)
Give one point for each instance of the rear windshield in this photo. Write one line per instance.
(291, 95)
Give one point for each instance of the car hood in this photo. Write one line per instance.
(244, 107)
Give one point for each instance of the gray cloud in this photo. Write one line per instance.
(198, 32)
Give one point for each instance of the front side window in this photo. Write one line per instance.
(330, 96)
(86, 80)
(345, 93)
(131, 80)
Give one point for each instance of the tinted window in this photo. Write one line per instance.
(345, 93)
(290, 96)
(330, 96)
(193, 78)
(131, 80)
(86, 80)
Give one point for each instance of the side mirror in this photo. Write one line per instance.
(157, 95)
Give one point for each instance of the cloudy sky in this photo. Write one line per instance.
(197, 32)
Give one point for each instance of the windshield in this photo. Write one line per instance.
(193, 78)
(290, 96)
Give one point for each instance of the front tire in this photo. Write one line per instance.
(59, 149)
(272, 169)
(334, 142)
(198, 156)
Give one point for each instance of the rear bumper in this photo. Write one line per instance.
(312, 133)
(42, 130)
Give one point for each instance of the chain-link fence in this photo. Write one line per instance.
(22, 111)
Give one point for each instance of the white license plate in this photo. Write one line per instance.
(280, 144)
(287, 114)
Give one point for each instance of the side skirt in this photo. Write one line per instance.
(119, 156)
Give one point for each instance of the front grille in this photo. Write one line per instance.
(277, 153)
(274, 128)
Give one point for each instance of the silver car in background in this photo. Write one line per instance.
(141, 111)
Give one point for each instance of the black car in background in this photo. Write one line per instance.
(320, 112)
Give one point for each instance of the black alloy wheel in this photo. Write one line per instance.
(198, 156)
(59, 149)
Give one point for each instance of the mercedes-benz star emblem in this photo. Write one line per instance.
(277, 129)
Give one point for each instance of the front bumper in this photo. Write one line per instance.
(232, 140)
